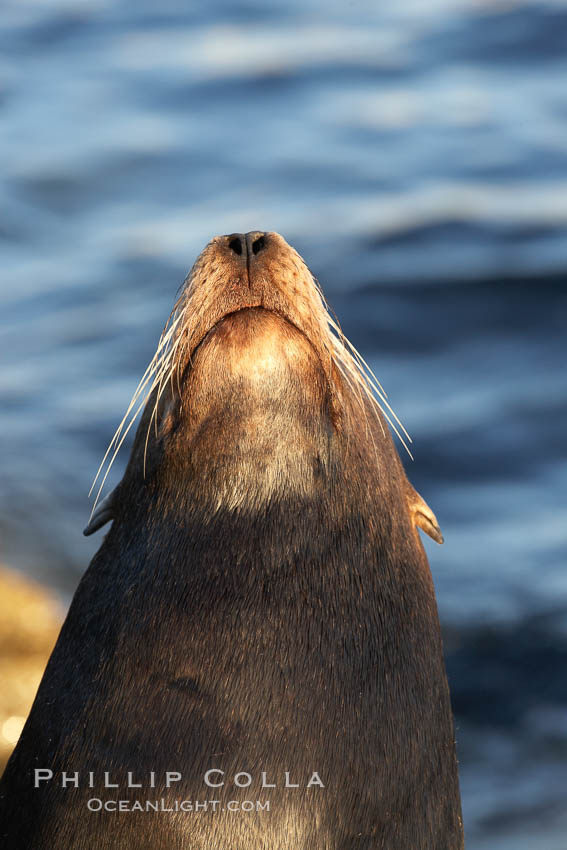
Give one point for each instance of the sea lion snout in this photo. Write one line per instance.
(247, 245)
(252, 259)
(239, 272)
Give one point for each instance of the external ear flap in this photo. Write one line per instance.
(103, 514)
(423, 516)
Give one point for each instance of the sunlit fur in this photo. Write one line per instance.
(297, 296)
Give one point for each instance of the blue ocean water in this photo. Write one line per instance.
(416, 156)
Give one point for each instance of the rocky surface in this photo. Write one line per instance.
(30, 619)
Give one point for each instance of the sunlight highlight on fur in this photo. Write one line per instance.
(175, 349)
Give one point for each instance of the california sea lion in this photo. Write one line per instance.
(261, 613)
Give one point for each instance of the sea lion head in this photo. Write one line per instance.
(253, 385)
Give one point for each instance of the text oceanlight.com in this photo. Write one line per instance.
(165, 806)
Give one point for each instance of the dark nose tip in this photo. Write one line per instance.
(247, 244)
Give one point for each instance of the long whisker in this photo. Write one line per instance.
(159, 364)
(351, 363)
(375, 383)
(367, 375)
(161, 382)
(117, 449)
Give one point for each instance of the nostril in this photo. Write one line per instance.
(235, 245)
(258, 245)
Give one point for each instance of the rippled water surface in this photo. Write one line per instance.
(417, 157)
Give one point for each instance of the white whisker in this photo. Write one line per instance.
(160, 364)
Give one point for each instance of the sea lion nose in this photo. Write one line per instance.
(247, 245)
(256, 242)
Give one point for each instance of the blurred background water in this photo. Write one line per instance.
(416, 156)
